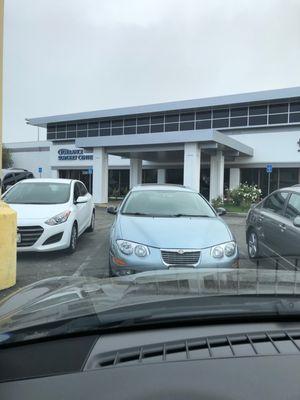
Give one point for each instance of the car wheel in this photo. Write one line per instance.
(92, 224)
(110, 271)
(73, 239)
(253, 245)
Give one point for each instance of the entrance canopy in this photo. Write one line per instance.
(168, 147)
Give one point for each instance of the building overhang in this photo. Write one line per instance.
(155, 146)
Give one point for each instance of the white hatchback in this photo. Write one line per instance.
(51, 213)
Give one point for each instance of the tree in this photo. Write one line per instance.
(7, 160)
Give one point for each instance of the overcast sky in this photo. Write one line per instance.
(63, 56)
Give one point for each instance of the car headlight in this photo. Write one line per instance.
(127, 247)
(59, 218)
(227, 249)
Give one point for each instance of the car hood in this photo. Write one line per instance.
(27, 212)
(60, 298)
(181, 232)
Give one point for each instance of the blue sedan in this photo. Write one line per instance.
(166, 226)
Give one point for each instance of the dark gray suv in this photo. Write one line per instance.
(273, 225)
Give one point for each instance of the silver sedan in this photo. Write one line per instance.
(166, 226)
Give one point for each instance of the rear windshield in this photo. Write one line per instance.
(38, 193)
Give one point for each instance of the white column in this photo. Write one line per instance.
(191, 167)
(100, 176)
(54, 173)
(161, 176)
(216, 186)
(234, 178)
(135, 172)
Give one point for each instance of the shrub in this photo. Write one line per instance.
(244, 195)
(218, 202)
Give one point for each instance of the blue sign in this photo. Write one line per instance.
(269, 168)
(90, 170)
(40, 170)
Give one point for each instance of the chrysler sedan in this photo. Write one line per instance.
(165, 226)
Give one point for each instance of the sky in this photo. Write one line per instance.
(64, 56)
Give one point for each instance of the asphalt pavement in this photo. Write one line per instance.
(91, 257)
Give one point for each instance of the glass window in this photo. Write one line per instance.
(186, 126)
(143, 120)
(93, 125)
(149, 176)
(82, 188)
(143, 129)
(157, 119)
(239, 112)
(130, 122)
(104, 132)
(61, 135)
(278, 119)
(295, 106)
(61, 128)
(221, 123)
(71, 127)
(117, 123)
(166, 202)
(257, 110)
(293, 206)
(71, 134)
(288, 177)
(171, 127)
(76, 191)
(81, 127)
(157, 128)
(242, 121)
(131, 130)
(172, 118)
(258, 120)
(206, 124)
(51, 128)
(224, 112)
(117, 131)
(93, 132)
(275, 202)
(295, 117)
(104, 124)
(278, 108)
(51, 136)
(249, 176)
(81, 134)
(203, 114)
(38, 193)
(187, 116)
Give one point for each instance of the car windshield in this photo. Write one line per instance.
(38, 193)
(166, 203)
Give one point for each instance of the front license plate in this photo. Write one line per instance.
(19, 238)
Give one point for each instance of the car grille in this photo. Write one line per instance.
(180, 257)
(29, 235)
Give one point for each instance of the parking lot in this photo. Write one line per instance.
(91, 257)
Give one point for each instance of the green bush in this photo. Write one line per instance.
(218, 202)
(244, 195)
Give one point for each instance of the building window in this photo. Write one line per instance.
(143, 129)
(239, 112)
(104, 132)
(257, 110)
(187, 117)
(242, 121)
(172, 118)
(295, 106)
(157, 128)
(93, 132)
(258, 120)
(130, 122)
(295, 117)
(186, 126)
(117, 131)
(278, 119)
(143, 120)
(157, 119)
(104, 124)
(205, 124)
(171, 127)
(203, 115)
(278, 108)
(131, 130)
(221, 123)
(222, 113)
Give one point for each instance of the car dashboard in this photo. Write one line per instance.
(222, 361)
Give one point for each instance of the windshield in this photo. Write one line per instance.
(166, 203)
(149, 163)
(38, 193)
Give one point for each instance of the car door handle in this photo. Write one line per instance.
(282, 227)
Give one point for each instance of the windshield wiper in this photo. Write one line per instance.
(139, 214)
(189, 215)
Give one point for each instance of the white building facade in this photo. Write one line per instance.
(208, 144)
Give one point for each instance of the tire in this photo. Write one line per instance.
(110, 272)
(92, 224)
(73, 239)
(253, 245)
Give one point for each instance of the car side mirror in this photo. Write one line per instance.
(296, 221)
(81, 200)
(221, 211)
(111, 210)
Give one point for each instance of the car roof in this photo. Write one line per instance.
(154, 186)
(48, 180)
(10, 170)
(295, 188)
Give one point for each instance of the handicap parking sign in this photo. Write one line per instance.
(269, 168)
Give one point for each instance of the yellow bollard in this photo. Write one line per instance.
(8, 246)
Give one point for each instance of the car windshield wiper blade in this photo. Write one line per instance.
(189, 215)
(138, 213)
